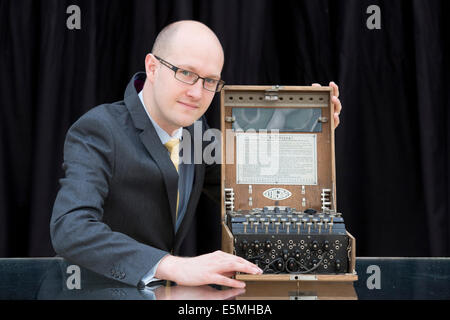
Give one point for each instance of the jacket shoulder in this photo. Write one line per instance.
(101, 115)
(106, 111)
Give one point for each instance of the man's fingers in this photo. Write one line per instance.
(335, 100)
(333, 85)
(235, 263)
(248, 267)
(337, 105)
(335, 89)
(238, 266)
(336, 120)
(228, 282)
(229, 274)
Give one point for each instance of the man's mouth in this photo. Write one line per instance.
(188, 105)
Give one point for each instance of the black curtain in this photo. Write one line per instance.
(392, 147)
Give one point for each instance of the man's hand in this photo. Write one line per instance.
(211, 268)
(336, 102)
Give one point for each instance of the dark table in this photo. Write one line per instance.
(378, 278)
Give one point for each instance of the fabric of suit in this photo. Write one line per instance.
(115, 211)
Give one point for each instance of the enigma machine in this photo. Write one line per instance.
(278, 184)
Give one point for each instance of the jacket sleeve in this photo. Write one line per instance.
(77, 230)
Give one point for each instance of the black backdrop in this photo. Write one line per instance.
(392, 147)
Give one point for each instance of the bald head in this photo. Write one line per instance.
(170, 39)
(193, 49)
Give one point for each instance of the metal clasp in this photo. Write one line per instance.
(230, 119)
(272, 93)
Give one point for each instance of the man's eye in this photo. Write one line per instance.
(211, 81)
(186, 73)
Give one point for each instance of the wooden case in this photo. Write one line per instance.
(303, 197)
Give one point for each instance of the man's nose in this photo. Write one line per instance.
(196, 90)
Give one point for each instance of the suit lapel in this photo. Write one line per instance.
(152, 143)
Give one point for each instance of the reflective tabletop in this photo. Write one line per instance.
(378, 278)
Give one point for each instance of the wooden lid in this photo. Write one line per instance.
(305, 169)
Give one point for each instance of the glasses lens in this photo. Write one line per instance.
(186, 76)
(210, 84)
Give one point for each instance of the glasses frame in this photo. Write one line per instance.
(220, 82)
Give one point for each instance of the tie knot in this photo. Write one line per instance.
(172, 144)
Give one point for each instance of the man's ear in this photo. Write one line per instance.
(150, 66)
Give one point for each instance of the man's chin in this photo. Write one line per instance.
(187, 122)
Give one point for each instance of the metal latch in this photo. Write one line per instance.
(272, 94)
(230, 119)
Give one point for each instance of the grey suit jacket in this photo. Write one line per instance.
(115, 211)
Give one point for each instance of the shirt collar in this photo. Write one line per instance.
(163, 135)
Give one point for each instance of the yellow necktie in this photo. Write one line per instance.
(173, 145)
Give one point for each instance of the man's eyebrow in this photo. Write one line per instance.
(193, 69)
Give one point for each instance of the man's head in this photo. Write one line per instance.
(188, 45)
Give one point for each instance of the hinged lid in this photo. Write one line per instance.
(277, 148)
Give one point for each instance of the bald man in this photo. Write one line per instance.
(126, 206)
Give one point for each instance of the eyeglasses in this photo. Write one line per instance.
(189, 77)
